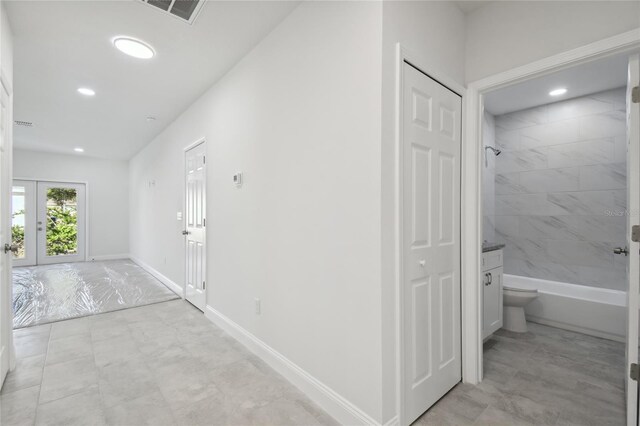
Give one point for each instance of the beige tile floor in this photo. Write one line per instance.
(546, 376)
(162, 364)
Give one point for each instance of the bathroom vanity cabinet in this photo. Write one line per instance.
(492, 291)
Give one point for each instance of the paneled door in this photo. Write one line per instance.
(61, 222)
(633, 247)
(195, 223)
(431, 123)
(6, 319)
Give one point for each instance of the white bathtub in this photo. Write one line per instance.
(594, 311)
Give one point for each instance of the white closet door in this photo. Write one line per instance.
(431, 125)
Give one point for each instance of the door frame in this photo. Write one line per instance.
(86, 205)
(192, 145)
(403, 54)
(472, 165)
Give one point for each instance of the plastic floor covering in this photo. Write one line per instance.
(49, 293)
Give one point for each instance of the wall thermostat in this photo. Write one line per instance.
(237, 179)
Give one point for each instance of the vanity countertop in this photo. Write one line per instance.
(488, 246)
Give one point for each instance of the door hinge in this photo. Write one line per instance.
(634, 372)
(204, 221)
(635, 233)
(204, 285)
(204, 159)
(635, 95)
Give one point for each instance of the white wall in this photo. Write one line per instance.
(300, 117)
(434, 30)
(506, 34)
(107, 193)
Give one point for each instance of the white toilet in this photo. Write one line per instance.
(515, 299)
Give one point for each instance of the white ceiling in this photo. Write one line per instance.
(585, 79)
(62, 45)
(471, 5)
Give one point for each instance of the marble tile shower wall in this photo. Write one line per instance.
(560, 190)
(488, 179)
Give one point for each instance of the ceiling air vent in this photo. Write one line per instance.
(185, 10)
(23, 123)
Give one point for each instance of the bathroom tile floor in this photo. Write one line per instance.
(161, 364)
(546, 376)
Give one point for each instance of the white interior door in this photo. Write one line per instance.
(6, 320)
(195, 222)
(633, 266)
(61, 222)
(23, 222)
(431, 126)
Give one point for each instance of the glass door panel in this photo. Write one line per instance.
(23, 217)
(61, 222)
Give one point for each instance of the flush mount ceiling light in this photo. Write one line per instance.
(558, 92)
(151, 118)
(86, 91)
(132, 47)
(78, 149)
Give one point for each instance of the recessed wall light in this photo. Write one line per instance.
(132, 47)
(558, 92)
(86, 91)
(78, 149)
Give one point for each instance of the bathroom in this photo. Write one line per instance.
(554, 278)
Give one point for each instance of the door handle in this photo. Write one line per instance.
(10, 248)
(621, 250)
(490, 278)
(185, 232)
(486, 282)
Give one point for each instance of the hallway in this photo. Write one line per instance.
(159, 364)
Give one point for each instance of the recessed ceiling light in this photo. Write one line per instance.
(133, 47)
(86, 91)
(151, 118)
(78, 149)
(558, 92)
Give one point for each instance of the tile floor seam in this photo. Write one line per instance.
(44, 364)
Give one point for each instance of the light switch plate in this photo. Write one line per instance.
(179, 215)
(237, 179)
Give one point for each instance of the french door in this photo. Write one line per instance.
(48, 222)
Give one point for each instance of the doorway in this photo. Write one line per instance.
(195, 223)
(48, 222)
(430, 232)
(583, 220)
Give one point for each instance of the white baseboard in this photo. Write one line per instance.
(177, 289)
(109, 257)
(329, 400)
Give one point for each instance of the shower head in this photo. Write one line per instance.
(495, 150)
